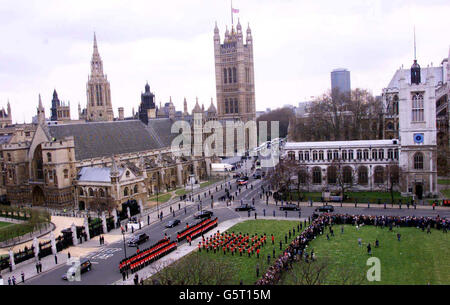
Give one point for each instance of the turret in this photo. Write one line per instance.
(40, 112)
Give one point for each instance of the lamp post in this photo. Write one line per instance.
(124, 245)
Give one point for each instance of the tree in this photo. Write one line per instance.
(194, 269)
(344, 175)
(303, 179)
(282, 115)
(393, 176)
(283, 176)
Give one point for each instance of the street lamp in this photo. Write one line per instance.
(124, 245)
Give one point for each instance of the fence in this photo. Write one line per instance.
(95, 227)
(45, 249)
(24, 255)
(4, 263)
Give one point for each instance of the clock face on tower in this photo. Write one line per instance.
(418, 138)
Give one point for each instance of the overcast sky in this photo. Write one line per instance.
(48, 44)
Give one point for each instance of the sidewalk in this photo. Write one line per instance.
(185, 249)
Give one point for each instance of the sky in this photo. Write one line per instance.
(47, 45)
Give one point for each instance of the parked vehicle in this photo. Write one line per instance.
(245, 207)
(85, 266)
(137, 240)
(203, 214)
(325, 208)
(289, 207)
(173, 223)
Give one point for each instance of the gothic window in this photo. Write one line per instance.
(9, 156)
(317, 175)
(366, 154)
(226, 105)
(329, 154)
(350, 154)
(101, 192)
(321, 155)
(417, 107)
(234, 75)
(91, 192)
(374, 154)
(127, 174)
(49, 157)
(390, 154)
(381, 154)
(300, 155)
(396, 154)
(125, 191)
(236, 107)
(379, 175)
(363, 176)
(66, 173)
(230, 79)
(314, 155)
(291, 155)
(225, 75)
(344, 155)
(418, 161)
(335, 155)
(81, 192)
(347, 175)
(307, 155)
(390, 126)
(359, 154)
(395, 106)
(331, 174)
(135, 189)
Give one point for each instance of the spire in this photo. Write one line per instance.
(95, 45)
(147, 87)
(185, 112)
(40, 102)
(196, 107)
(114, 170)
(415, 58)
(216, 29)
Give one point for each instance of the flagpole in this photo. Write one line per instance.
(231, 12)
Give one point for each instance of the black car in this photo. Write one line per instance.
(289, 207)
(173, 223)
(325, 208)
(137, 240)
(85, 266)
(257, 176)
(245, 207)
(203, 214)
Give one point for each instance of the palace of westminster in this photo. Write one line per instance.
(61, 162)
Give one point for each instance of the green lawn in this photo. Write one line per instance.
(162, 197)
(417, 259)
(13, 230)
(4, 224)
(444, 181)
(446, 193)
(244, 267)
(359, 196)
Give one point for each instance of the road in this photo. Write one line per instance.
(105, 261)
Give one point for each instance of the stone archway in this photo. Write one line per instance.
(38, 196)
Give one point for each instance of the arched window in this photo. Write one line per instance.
(335, 155)
(366, 154)
(230, 79)
(390, 154)
(127, 174)
(66, 173)
(320, 154)
(226, 106)
(374, 154)
(291, 155)
(234, 75)
(307, 155)
(395, 104)
(344, 155)
(101, 192)
(331, 174)
(379, 175)
(350, 154)
(347, 175)
(225, 75)
(396, 154)
(135, 189)
(49, 157)
(381, 154)
(363, 177)
(417, 107)
(314, 155)
(81, 191)
(91, 192)
(236, 106)
(317, 175)
(300, 155)
(359, 154)
(329, 155)
(125, 191)
(418, 160)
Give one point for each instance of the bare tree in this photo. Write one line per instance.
(393, 177)
(345, 175)
(309, 273)
(284, 175)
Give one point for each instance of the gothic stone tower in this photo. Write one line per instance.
(99, 106)
(417, 120)
(235, 83)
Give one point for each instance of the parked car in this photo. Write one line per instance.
(325, 208)
(203, 214)
(136, 240)
(85, 266)
(289, 207)
(257, 176)
(245, 207)
(173, 223)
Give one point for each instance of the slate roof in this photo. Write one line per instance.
(96, 174)
(98, 139)
(5, 139)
